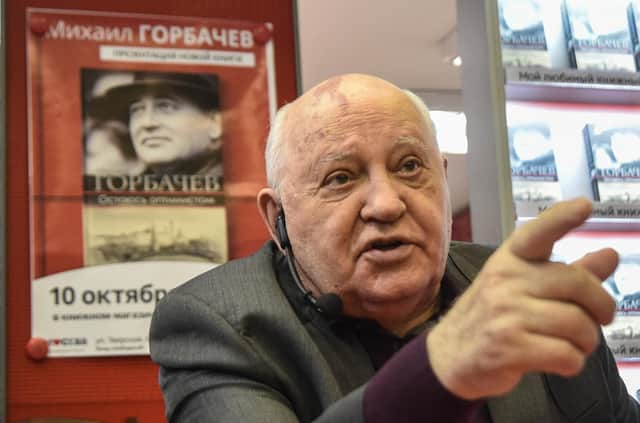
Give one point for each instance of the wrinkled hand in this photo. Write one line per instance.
(524, 313)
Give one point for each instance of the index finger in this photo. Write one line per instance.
(534, 240)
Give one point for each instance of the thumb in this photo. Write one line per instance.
(534, 240)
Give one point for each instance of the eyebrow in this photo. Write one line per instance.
(335, 157)
(401, 141)
(412, 141)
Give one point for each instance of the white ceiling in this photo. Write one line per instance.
(406, 42)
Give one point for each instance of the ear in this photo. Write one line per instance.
(215, 125)
(269, 207)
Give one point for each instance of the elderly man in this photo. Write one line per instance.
(348, 315)
(174, 121)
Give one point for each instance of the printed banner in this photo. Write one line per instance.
(141, 128)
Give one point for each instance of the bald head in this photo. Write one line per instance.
(321, 113)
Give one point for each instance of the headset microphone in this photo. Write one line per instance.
(329, 304)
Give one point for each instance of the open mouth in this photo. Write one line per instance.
(386, 245)
(388, 250)
(152, 141)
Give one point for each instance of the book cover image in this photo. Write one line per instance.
(522, 33)
(533, 166)
(154, 233)
(635, 28)
(613, 155)
(624, 284)
(142, 143)
(600, 34)
(152, 123)
(623, 334)
(152, 145)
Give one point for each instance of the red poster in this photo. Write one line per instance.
(145, 134)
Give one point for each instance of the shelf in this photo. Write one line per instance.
(572, 86)
(612, 217)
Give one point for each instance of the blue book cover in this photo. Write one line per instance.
(635, 28)
(600, 34)
(624, 284)
(522, 33)
(613, 155)
(623, 334)
(534, 174)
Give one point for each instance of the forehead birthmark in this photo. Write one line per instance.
(331, 88)
(321, 99)
(326, 96)
(336, 108)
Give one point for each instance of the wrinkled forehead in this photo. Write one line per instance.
(346, 105)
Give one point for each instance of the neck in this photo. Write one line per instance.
(401, 330)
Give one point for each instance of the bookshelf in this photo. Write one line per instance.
(568, 85)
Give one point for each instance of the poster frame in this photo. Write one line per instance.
(3, 220)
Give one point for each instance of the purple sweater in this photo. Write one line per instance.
(406, 389)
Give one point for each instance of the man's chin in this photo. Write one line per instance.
(163, 166)
(162, 161)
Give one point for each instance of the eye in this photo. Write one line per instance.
(135, 108)
(338, 179)
(166, 105)
(410, 166)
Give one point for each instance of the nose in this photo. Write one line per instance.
(146, 118)
(383, 202)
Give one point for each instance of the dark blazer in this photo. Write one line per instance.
(233, 349)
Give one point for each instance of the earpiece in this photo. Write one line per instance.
(281, 230)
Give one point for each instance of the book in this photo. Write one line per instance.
(533, 166)
(613, 157)
(623, 334)
(153, 174)
(624, 284)
(532, 33)
(522, 33)
(635, 29)
(600, 34)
